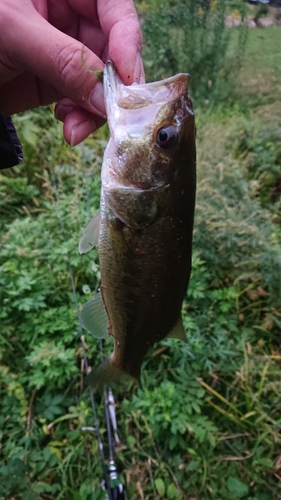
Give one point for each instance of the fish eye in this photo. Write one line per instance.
(167, 137)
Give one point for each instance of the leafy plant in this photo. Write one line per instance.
(192, 37)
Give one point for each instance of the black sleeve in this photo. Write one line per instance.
(10, 147)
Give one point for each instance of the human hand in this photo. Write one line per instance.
(48, 48)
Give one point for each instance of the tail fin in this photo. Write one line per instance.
(108, 373)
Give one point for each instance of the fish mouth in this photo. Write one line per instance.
(139, 95)
(137, 105)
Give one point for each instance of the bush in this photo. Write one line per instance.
(192, 37)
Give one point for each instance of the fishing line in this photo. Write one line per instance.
(107, 415)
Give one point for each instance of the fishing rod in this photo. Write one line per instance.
(111, 482)
(116, 487)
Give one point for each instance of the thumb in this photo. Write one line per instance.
(57, 59)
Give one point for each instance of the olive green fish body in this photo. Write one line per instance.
(146, 274)
(146, 216)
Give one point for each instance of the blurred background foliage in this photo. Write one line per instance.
(192, 37)
(206, 424)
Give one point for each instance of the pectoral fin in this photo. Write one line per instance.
(178, 331)
(94, 317)
(90, 236)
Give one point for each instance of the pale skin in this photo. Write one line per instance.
(48, 47)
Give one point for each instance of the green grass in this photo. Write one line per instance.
(260, 74)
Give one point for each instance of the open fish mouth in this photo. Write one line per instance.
(139, 95)
(142, 101)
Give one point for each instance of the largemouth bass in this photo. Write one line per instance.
(144, 232)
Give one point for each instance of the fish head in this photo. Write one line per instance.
(151, 126)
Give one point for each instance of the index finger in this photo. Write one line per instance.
(119, 22)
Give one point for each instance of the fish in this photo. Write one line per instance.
(145, 225)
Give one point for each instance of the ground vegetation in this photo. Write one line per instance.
(206, 423)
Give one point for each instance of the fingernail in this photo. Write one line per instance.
(81, 131)
(57, 112)
(73, 140)
(97, 100)
(139, 71)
